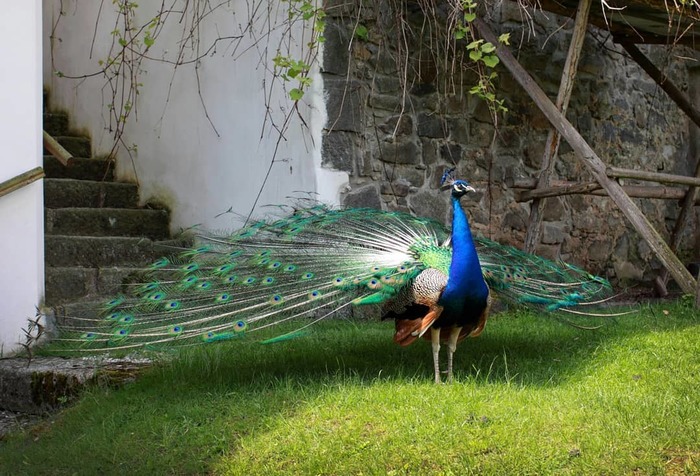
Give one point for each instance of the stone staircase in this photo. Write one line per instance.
(95, 236)
(95, 231)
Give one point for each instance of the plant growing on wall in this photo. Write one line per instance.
(136, 29)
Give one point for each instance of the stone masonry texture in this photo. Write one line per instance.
(400, 113)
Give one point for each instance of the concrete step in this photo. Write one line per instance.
(107, 222)
(71, 193)
(66, 284)
(46, 383)
(76, 145)
(102, 251)
(56, 123)
(80, 169)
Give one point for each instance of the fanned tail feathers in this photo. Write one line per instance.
(310, 264)
(522, 278)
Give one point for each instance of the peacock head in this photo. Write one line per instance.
(458, 187)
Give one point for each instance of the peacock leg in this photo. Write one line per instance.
(435, 338)
(451, 348)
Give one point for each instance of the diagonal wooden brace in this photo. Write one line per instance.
(594, 164)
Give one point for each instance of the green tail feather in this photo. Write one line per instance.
(310, 264)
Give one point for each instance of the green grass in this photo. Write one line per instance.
(531, 396)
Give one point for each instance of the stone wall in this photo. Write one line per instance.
(400, 114)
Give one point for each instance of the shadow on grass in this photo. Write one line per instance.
(183, 415)
(516, 347)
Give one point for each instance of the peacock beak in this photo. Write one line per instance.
(469, 188)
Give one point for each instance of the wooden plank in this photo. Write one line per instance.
(653, 176)
(594, 164)
(684, 216)
(578, 34)
(594, 188)
(663, 82)
(21, 180)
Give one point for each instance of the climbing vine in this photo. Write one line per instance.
(136, 29)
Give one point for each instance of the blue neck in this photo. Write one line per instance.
(465, 281)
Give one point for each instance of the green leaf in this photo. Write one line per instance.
(296, 94)
(122, 41)
(361, 32)
(474, 44)
(469, 17)
(504, 39)
(488, 48)
(148, 41)
(490, 60)
(475, 55)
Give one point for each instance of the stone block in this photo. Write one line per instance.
(386, 102)
(335, 48)
(626, 271)
(398, 188)
(399, 152)
(430, 153)
(430, 204)
(344, 105)
(411, 174)
(339, 151)
(386, 84)
(451, 153)
(431, 125)
(553, 233)
(402, 125)
(600, 250)
(364, 197)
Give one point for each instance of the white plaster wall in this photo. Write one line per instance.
(181, 161)
(21, 212)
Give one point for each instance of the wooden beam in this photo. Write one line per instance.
(662, 80)
(534, 228)
(591, 160)
(21, 180)
(56, 149)
(691, 197)
(561, 188)
(653, 176)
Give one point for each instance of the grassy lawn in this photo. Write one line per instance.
(531, 396)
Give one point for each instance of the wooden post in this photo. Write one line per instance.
(56, 149)
(594, 164)
(691, 197)
(532, 238)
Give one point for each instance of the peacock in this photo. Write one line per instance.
(317, 261)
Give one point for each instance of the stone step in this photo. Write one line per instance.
(76, 145)
(79, 169)
(102, 251)
(71, 193)
(56, 123)
(66, 284)
(107, 222)
(47, 383)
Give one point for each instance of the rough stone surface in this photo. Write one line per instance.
(339, 151)
(626, 122)
(46, 383)
(365, 197)
(344, 105)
